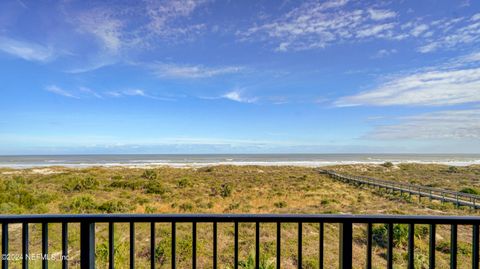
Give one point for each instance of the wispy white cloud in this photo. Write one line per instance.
(192, 71)
(125, 26)
(26, 50)
(163, 15)
(451, 33)
(457, 82)
(385, 52)
(374, 30)
(419, 29)
(381, 14)
(59, 91)
(136, 93)
(89, 92)
(476, 17)
(449, 124)
(319, 24)
(104, 25)
(316, 24)
(237, 96)
(77, 92)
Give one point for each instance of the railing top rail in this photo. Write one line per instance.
(59, 218)
(460, 194)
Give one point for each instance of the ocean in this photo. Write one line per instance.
(199, 160)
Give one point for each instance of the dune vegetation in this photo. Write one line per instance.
(232, 189)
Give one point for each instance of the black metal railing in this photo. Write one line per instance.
(443, 195)
(346, 222)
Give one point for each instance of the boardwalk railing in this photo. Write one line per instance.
(458, 198)
(346, 222)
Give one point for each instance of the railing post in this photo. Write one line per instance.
(4, 245)
(346, 245)
(87, 245)
(453, 247)
(475, 239)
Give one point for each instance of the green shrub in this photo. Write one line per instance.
(162, 251)
(453, 169)
(280, 204)
(150, 209)
(233, 206)
(128, 184)
(101, 252)
(154, 187)
(207, 169)
(80, 184)
(186, 207)
(387, 164)
(10, 208)
(114, 207)
(470, 191)
(149, 174)
(265, 263)
(81, 204)
(400, 234)
(226, 190)
(183, 183)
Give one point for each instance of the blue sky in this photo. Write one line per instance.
(211, 76)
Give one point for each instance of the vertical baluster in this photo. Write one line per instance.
(369, 246)
(475, 240)
(236, 246)
(132, 245)
(411, 245)
(279, 244)
(321, 245)
(174, 231)
(257, 245)
(44, 245)
(345, 245)
(390, 246)
(25, 239)
(453, 247)
(194, 245)
(111, 244)
(87, 245)
(152, 245)
(4, 245)
(64, 245)
(300, 245)
(214, 245)
(432, 246)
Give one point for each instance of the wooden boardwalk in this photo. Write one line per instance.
(457, 198)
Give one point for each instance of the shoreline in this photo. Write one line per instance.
(149, 165)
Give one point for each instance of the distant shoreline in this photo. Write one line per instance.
(202, 160)
(200, 165)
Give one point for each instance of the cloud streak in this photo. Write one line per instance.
(455, 83)
(237, 96)
(26, 50)
(449, 124)
(319, 24)
(123, 26)
(136, 93)
(59, 91)
(192, 71)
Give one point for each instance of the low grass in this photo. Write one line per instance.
(230, 189)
